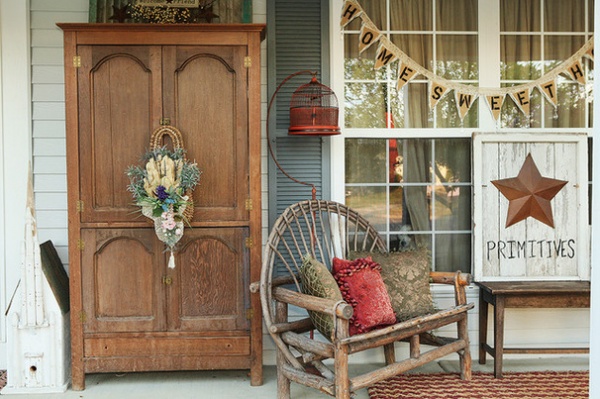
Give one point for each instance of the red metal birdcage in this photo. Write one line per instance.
(314, 110)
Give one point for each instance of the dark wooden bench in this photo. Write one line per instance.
(525, 294)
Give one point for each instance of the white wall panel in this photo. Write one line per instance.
(51, 201)
(49, 147)
(49, 111)
(45, 128)
(47, 20)
(48, 74)
(50, 165)
(50, 184)
(48, 92)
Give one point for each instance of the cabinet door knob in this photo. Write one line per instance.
(167, 280)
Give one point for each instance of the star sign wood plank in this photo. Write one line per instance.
(530, 206)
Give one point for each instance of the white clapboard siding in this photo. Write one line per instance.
(48, 116)
(47, 56)
(48, 92)
(546, 253)
(46, 128)
(50, 165)
(50, 202)
(51, 147)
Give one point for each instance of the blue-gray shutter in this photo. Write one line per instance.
(297, 40)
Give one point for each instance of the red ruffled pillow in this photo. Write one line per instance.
(362, 287)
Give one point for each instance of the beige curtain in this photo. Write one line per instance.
(521, 56)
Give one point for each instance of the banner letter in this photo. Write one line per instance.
(405, 74)
(349, 12)
(522, 100)
(367, 37)
(549, 91)
(495, 104)
(384, 56)
(576, 72)
(464, 103)
(436, 92)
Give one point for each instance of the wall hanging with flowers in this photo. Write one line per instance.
(163, 187)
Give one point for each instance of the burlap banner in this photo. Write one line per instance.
(465, 95)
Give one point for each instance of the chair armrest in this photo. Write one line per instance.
(281, 280)
(309, 302)
(459, 278)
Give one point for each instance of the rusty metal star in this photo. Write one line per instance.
(529, 194)
(120, 14)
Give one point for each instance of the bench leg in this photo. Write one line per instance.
(283, 384)
(389, 352)
(483, 322)
(498, 336)
(342, 377)
(465, 354)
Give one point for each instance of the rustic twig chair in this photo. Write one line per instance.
(326, 229)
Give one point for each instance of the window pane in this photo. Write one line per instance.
(414, 155)
(452, 160)
(410, 107)
(452, 252)
(456, 15)
(365, 105)
(457, 57)
(571, 109)
(512, 116)
(447, 113)
(365, 161)
(360, 66)
(559, 48)
(520, 15)
(370, 202)
(520, 57)
(417, 47)
(410, 15)
(375, 9)
(452, 208)
(564, 16)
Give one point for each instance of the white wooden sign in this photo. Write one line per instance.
(530, 249)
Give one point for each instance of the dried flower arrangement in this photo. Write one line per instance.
(163, 189)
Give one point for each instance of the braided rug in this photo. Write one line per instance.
(529, 385)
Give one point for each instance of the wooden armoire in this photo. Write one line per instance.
(129, 311)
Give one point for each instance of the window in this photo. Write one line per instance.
(408, 167)
(416, 192)
(535, 37)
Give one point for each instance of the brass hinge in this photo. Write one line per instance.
(77, 61)
(249, 314)
(249, 205)
(249, 242)
(80, 244)
(80, 206)
(82, 316)
(247, 61)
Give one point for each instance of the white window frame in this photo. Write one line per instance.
(15, 153)
(489, 76)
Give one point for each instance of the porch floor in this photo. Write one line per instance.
(236, 385)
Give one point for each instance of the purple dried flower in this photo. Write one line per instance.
(161, 193)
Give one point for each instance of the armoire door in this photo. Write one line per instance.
(119, 106)
(206, 97)
(208, 291)
(123, 274)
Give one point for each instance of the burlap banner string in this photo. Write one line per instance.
(465, 95)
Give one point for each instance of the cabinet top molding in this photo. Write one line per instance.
(176, 28)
